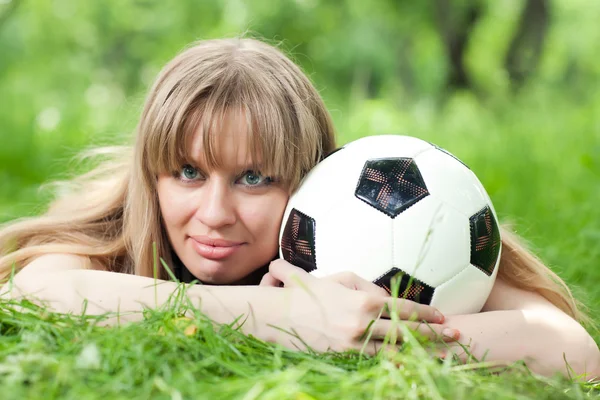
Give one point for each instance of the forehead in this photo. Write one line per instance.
(223, 143)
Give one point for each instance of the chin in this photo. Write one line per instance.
(214, 277)
(212, 273)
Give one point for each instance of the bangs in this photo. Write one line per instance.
(283, 138)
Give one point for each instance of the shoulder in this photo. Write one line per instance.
(37, 271)
(56, 262)
(505, 296)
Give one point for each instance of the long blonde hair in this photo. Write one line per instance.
(521, 268)
(111, 214)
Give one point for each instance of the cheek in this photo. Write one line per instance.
(265, 218)
(174, 206)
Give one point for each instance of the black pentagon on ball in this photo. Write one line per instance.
(298, 241)
(391, 185)
(485, 240)
(410, 288)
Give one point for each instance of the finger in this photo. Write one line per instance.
(455, 350)
(410, 310)
(355, 282)
(437, 350)
(434, 332)
(373, 346)
(289, 274)
(270, 280)
(385, 328)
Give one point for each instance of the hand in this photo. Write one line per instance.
(347, 279)
(328, 315)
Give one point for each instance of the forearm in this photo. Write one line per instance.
(544, 339)
(124, 297)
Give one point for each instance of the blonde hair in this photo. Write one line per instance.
(520, 268)
(111, 214)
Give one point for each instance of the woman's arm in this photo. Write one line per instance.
(324, 314)
(520, 325)
(516, 325)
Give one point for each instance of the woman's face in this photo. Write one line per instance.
(222, 223)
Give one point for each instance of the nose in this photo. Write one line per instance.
(216, 208)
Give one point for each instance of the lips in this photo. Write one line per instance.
(213, 248)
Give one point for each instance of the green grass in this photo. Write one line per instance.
(46, 355)
(537, 154)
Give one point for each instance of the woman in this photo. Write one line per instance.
(227, 132)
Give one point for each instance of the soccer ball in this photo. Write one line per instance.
(397, 206)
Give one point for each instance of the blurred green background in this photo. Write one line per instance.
(509, 86)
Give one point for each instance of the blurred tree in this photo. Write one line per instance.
(7, 11)
(72, 73)
(456, 21)
(527, 43)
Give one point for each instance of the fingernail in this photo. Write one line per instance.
(451, 333)
(439, 317)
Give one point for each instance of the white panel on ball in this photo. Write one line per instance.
(431, 241)
(388, 146)
(490, 204)
(390, 219)
(315, 199)
(353, 237)
(466, 293)
(451, 182)
(317, 188)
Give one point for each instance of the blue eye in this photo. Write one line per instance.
(188, 173)
(253, 178)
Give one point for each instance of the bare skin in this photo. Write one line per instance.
(223, 223)
(327, 315)
(514, 325)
